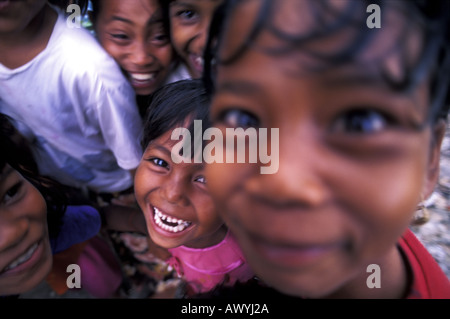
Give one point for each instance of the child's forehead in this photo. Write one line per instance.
(164, 141)
(327, 30)
(141, 7)
(196, 2)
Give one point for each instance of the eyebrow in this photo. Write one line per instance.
(352, 80)
(155, 18)
(187, 2)
(358, 79)
(239, 87)
(159, 148)
(177, 3)
(8, 170)
(119, 18)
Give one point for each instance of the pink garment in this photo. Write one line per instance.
(205, 268)
(100, 272)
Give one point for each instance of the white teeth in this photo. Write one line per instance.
(161, 220)
(22, 258)
(199, 60)
(142, 77)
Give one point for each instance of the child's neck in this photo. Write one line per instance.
(20, 47)
(209, 241)
(394, 281)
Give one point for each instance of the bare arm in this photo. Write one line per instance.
(124, 218)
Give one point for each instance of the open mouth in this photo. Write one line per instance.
(23, 258)
(168, 223)
(139, 80)
(197, 62)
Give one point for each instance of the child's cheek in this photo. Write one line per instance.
(222, 179)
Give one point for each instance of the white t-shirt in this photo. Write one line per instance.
(78, 110)
(179, 73)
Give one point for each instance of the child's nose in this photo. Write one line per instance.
(174, 193)
(298, 181)
(141, 56)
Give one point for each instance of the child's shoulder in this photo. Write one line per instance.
(429, 281)
(75, 41)
(77, 47)
(179, 72)
(78, 60)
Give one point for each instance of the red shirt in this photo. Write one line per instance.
(429, 281)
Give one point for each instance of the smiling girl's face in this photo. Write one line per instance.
(175, 200)
(189, 27)
(25, 253)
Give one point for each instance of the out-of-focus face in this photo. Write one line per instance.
(174, 198)
(352, 163)
(189, 27)
(132, 33)
(15, 15)
(25, 253)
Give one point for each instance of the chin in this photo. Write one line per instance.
(304, 285)
(144, 92)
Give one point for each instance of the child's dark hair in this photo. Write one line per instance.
(63, 4)
(96, 7)
(165, 8)
(172, 105)
(433, 17)
(17, 153)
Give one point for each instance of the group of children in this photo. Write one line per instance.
(87, 125)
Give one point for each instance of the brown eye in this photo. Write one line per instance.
(187, 16)
(201, 179)
(159, 162)
(120, 38)
(12, 193)
(361, 122)
(238, 118)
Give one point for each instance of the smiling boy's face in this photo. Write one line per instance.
(132, 33)
(25, 253)
(352, 163)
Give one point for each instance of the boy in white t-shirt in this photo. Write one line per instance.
(69, 97)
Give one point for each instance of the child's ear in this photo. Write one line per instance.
(432, 177)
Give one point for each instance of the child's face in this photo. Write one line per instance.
(190, 20)
(132, 32)
(25, 253)
(351, 168)
(16, 15)
(176, 203)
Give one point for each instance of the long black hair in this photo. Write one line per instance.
(432, 17)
